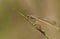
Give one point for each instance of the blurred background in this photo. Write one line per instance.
(15, 26)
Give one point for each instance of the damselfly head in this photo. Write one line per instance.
(29, 16)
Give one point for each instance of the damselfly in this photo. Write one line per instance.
(37, 26)
(46, 21)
